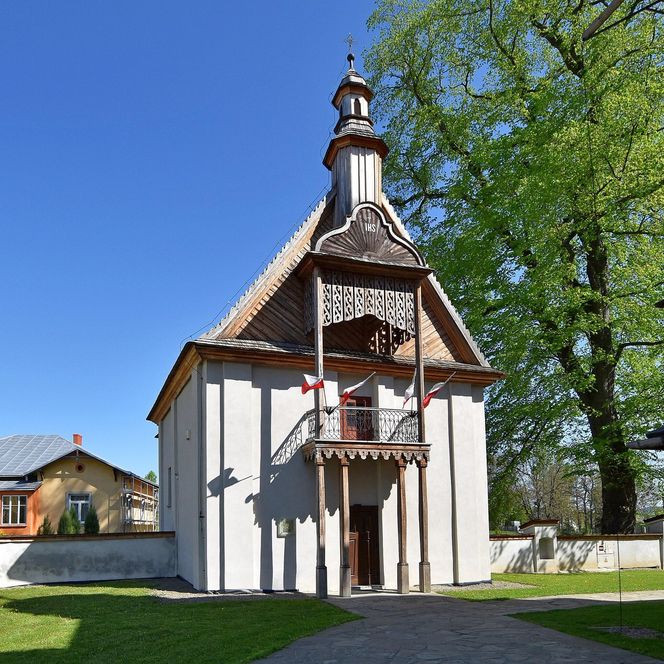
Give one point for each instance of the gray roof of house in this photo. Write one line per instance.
(18, 485)
(23, 454)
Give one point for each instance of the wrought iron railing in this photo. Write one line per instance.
(381, 425)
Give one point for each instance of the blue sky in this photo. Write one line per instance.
(152, 154)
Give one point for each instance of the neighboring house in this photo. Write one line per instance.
(271, 488)
(45, 475)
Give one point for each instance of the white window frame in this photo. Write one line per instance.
(8, 499)
(79, 503)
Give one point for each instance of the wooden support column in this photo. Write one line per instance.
(425, 567)
(344, 528)
(318, 345)
(403, 584)
(419, 363)
(321, 569)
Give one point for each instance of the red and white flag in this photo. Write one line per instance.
(434, 390)
(410, 391)
(353, 388)
(311, 383)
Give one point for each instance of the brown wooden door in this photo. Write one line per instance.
(357, 424)
(364, 548)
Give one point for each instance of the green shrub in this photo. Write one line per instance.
(46, 528)
(65, 526)
(91, 525)
(75, 523)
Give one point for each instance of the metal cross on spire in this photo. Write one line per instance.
(350, 57)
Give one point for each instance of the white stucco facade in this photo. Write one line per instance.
(227, 533)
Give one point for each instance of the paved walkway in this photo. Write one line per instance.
(432, 628)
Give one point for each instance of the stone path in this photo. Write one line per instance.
(431, 628)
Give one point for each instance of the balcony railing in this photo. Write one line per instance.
(353, 423)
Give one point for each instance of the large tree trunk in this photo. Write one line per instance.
(616, 472)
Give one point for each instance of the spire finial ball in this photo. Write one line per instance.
(351, 60)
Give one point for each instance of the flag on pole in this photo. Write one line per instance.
(311, 383)
(434, 390)
(410, 391)
(353, 388)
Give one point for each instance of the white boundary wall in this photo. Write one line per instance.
(66, 559)
(520, 553)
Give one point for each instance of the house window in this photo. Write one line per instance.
(14, 510)
(80, 502)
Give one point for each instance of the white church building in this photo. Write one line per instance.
(271, 485)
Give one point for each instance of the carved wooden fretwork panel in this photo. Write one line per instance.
(387, 339)
(368, 235)
(349, 296)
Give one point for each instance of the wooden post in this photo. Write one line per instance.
(321, 569)
(419, 362)
(403, 584)
(425, 567)
(344, 526)
(318, 345)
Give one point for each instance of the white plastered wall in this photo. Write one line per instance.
(179, 451)
(255, 475)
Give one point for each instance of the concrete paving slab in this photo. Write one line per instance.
(419, 628)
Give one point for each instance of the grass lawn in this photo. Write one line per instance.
(542, 585)
(584, 621)
(122, 622)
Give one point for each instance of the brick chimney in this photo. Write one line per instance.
(78, 439)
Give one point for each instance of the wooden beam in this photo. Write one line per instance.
(403, 584)
(318, 343)
(425, 567)
(344, 527)
(321, 568)
(419, 363)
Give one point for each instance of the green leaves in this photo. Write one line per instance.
(529, 165)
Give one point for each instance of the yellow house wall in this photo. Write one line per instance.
(61, 478)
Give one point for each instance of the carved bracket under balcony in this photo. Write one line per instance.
(319, 450)
(348, 296)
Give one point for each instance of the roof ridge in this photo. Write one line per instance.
(314, 215)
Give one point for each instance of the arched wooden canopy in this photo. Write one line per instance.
(375, 273)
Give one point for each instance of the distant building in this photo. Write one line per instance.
(271, 481)
(46, 475)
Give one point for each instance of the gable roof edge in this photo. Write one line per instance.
(270, 268)
(449, 307)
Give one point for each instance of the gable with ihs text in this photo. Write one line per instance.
(276, 308)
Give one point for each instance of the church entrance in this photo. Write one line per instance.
(364, 545)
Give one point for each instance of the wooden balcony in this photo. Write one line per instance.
(365, 432)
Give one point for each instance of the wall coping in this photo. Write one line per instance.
(626, 536)
(86, 538)
(510, 537)
(539, 522)
(652, 519)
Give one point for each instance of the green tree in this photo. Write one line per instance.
(530, 165)
(151, 476)
(75, 522)
(91, 524)
(65, 524)
(46, 528)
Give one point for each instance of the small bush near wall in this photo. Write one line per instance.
(46, 528)
(91, 525)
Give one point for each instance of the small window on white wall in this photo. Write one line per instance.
(14, 510)
(80, 502)
(546, 551)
